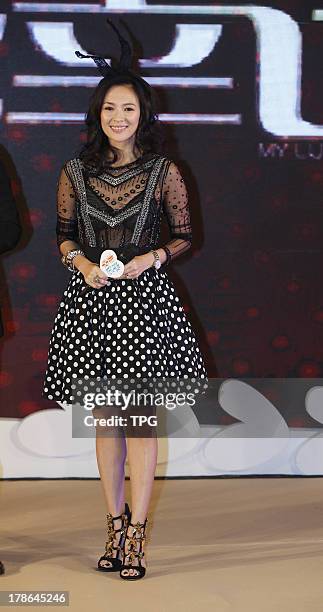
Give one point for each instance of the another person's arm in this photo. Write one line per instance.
(10, 228)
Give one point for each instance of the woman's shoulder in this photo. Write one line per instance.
(161, 159)
(165, 157)
(69, 163)
(170, 164)
(150, 156)
(73, 167)
(72, 162)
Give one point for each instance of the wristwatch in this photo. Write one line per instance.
(157, 262)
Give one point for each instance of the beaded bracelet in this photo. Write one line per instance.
(67, 260)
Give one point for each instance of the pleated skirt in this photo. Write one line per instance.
(128, 329)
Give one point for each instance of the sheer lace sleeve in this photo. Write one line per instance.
(66, 228)
(175, 205)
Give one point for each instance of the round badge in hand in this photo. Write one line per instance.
(110, 264)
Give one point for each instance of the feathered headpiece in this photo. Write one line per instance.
(123, 67)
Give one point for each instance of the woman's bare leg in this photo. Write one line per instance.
(142, 458)
(111, 454)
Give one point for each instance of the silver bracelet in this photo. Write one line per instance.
(67, 259)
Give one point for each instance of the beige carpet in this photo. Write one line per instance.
(246, 545)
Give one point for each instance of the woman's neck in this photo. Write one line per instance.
(126, 155)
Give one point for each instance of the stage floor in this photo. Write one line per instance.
(240, 544)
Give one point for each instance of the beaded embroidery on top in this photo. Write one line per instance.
(123, 206)
(75, 170)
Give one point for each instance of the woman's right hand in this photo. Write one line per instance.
(93, 275)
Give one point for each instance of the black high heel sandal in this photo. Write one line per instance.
(138, 536)
(109, 563)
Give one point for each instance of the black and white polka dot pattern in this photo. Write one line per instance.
(131, 328)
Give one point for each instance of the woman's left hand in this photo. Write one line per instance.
(137, 266)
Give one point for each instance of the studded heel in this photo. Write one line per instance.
(108, 562)
(131, 551)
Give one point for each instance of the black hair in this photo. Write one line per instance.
(148, 138)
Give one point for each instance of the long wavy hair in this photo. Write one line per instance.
(149, 138)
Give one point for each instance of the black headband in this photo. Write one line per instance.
(123, 67)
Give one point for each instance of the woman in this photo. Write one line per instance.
(112, 197)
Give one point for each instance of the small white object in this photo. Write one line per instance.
(110, 264)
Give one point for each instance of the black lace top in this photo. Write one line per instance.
(122, 207)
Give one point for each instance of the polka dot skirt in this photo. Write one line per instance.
(131, 328)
